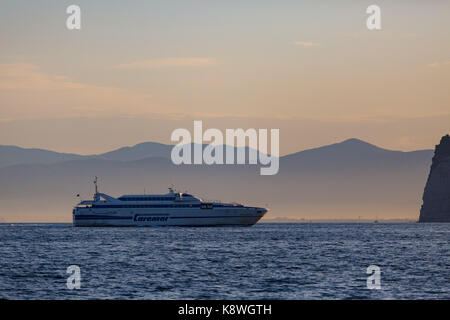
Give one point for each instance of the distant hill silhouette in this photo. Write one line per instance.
(138, 151)
(344, 180)
(354, 154)
(11, 155)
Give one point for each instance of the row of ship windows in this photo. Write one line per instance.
(149, 199)
(150, 206)
(203, 206)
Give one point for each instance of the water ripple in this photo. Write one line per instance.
(267, 261)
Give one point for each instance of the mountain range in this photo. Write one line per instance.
(345, 180)
(12, 155)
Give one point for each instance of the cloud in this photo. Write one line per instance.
(439, 64)
(28, 92)
(26, 76)
(306, 44)
(168, 62)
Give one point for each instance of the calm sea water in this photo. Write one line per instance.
(266, 261)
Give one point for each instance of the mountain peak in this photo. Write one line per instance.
(352, 144)
(357, 144)
(355, 141)
(347, 148)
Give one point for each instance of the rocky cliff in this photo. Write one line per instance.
(436, 196)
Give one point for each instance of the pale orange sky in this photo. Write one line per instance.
(135, 72)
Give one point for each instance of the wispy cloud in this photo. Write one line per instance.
(168, 62)
(439, 64)
(28, 92)
(306, 44)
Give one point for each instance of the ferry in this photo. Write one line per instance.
(170, 209)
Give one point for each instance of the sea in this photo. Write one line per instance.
(266, 261)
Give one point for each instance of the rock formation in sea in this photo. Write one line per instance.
(436, 196)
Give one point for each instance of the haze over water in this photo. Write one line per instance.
(266, 261)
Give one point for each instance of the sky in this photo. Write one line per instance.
(137, 70)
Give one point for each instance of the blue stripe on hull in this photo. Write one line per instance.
(90, 221)
(189, 217)
(83, 217)
(130, 218)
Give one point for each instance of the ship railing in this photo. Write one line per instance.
(236, 204)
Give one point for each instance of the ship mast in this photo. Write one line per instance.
(96, 196)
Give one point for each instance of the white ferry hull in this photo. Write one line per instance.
(233, 216)
(171, 209)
